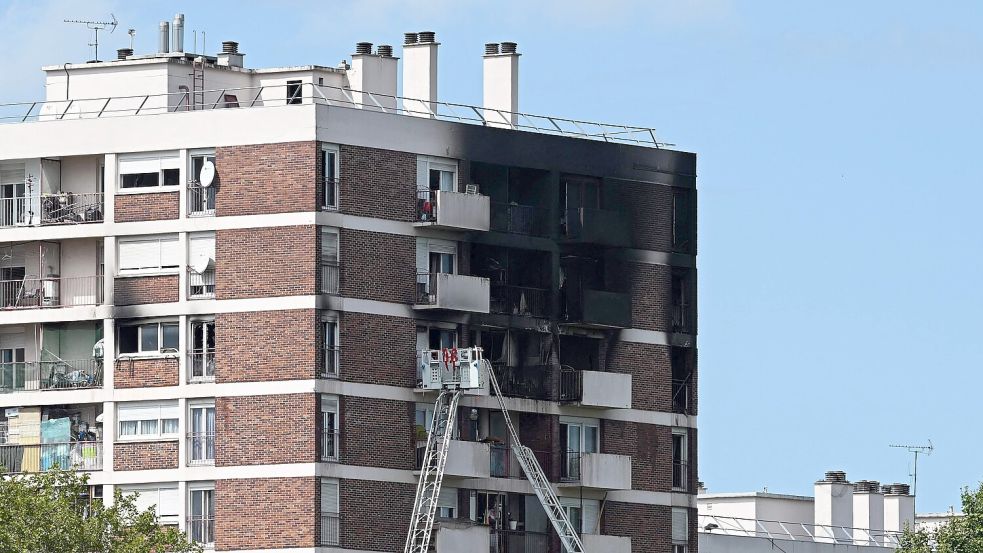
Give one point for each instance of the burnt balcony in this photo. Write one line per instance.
(597, 308)
(596, 226)
(520, 541)
(681, 397)
(453, 292)
(595, 388)
(603, 471)
(520, 300)
(529, 382)
(453, 210)
(33, 376)
(519, 219)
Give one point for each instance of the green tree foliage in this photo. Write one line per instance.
(960, 535)
(47, 513)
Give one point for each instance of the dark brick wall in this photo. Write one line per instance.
(147, 289)
(138, 373)
(145, 455)
(377, 433)
(267, 178)
(378, 183)
(266, 345)
(648, 526)
(378, 266)
(394, 335)
(265, 262)
(375, 515)
(146, 207)
(650, 208)
(265, 513)
(265, 430)
(650, 449)
(651, 307)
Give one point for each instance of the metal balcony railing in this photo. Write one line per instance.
(201, 285)
(520, 300)
(518, 541)
(201, 200)
(504, 464)
(796, 531)
(329, 194)
(426, 205)
(31, 458)
(530, 382)
(571, 384)
(680, 475)
(201, 365)
(570, 465)
(201, 530)
(330, 440)
(34, 293)
(201, 448)
(331, 362)
(330, 529)
(50, 375)
(329, 277)
(51, 209)
(681, 318)
(680, 396)
(518, 219)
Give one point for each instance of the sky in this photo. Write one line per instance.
(839, 190)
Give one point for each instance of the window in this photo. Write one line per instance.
(148, 338)
(680, 458)
(433, 257)
(201, 199)
(201, 265)
(201, 434)
(583, 514)
(149, 170)
(489, 508)
(331, 350)
(163, 497)
(201, 515)
(329, 260)
(680, 360)
(680, 529)
(330, 170)
(329, 428)
(682, 312)
(294, 92)
(330, 509)
(148, 420)
(577, 436)
(148, 255)
(447, 503)
(436, 174)
(201, 357)
(682, 220)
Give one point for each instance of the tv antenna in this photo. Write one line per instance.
(133, 34)
(916, 450)
(97, 26)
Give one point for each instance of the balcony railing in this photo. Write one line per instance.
(680, 475)
(504, 464)
(453, 210)
(680, 396)
(330, 529)
(329, 194)
(530, 382)
(51, 209)
(34, 293)
(570, 465)
(201, 285)
(681, 318)
(329, 277)
(330, 440)
(596, 226)
(201, 200)
(518, 541)
(201, 366)
(201, 530)
(452, 291)
(201, 448)
(30, 458)
(518, 219)
(519, 300)
(331, 362)
(571, 384)
(50, 375)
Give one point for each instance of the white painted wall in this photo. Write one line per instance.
(720, 543)
(80, 174)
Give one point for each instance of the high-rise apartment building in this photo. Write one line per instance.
(215, 283)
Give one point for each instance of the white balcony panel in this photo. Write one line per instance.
(604, 389)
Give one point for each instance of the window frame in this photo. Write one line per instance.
(332, 511)
(166, 161)
(139, 324)
(324, 261)
(201, 487)
(297, 98)
(332, 353)
(335, 151)
(160, 269)
(427, 163)
(330, 405)
(681, 434)
(156, 488)
(159, 435)
(678, 512)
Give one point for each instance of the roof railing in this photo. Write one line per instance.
(796, 531)
(277, 95)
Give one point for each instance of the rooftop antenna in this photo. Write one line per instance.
(97, 26)
(916, 449)
(132, 33)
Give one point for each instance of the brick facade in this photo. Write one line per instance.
(138, 373)
(375, 515)
(378, 266)
(377, 433)
(265, 430)
(267, 178)
(378, 183)
(151, 206)
(648, 526)
(394, 335)
(649, 207)
(146, 289)
(145, 455)
(651, 285)
(266, 262)
(265, 513)
(650, 449)
(266, 345)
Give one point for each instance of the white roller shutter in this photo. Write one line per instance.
(12, 173)
(202, 244)
(148, 163)
(138, 411)
(680, 526)
(170, 252)
(329, 496)
(447, 498)
(329, 244)
(169, 410)
(591, 512)
(135, 255)
(169, 502)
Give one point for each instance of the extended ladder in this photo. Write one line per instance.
(432, 472)
(540, 483)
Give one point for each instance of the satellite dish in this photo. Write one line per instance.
(201, 263)
(207, 175)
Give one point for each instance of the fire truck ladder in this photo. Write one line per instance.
(432, 472)
(540, 483)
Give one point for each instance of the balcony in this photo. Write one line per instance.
(464, 459)
(607, 544)
(680, 475)
(596, 226)
(32, 458)
(681, 397)
(201, 200)
(452, 210)
(201, 449)
(330, 440)
(504, 464)
(522, 541)
(51, 209)
(34, 293)
(201, 285)
(598, 308)
(520, 300)
(529, 382)
(603, 471)
(201, 366)
(519, 219)
(50, 375)
(595, 389)
(452, 291)
(458, 537)
(201, 530)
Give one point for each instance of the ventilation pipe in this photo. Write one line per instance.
(420, 73)
(501, 84)
(868, 513)
(163, 44)
(230, 56)
(372, 77)
(899, 508)
(177, 33)
(834, 508)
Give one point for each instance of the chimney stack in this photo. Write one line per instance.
(501, 85)
(899, 508)
(164, 39)
(229, 56)
(124, 53)
(868, 513)
(420, 73)
(834, 508)
(373, 74)
(177, 30)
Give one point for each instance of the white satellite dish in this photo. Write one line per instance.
(201, 263)
(207, 175)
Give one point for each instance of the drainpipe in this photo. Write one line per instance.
(67, 79)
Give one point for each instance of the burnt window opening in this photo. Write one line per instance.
(519, 197)
(520, 279)
(683, 314)
(681, 362)
(521, 360)
(581, 274)
(683, 217)
(294, 92)
(580, 353)
(580, 193)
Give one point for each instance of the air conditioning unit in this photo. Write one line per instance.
(471, 189)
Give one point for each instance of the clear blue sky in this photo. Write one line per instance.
(840, 191)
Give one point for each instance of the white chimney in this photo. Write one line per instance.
(868, 513)
(899, 509)
(230, 56)
(164, 39)
(420, 73)
(177, 30)
(501, 84)
(373, 77)
(834, 508)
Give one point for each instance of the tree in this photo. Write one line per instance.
(962, 534)
(49, 513)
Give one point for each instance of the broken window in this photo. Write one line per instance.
(681, 362)
(682, 304)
